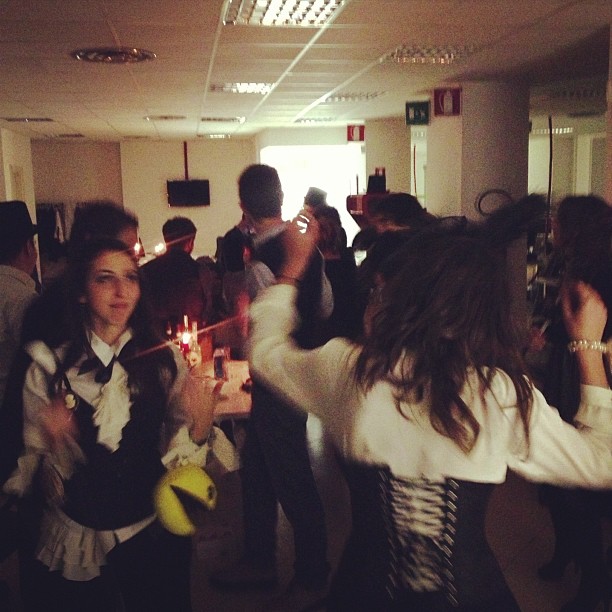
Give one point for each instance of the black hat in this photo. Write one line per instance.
(15, 221)
(316, 197)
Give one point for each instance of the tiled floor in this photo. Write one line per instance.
(518, 528)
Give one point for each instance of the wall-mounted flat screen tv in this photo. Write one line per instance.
(188, 193)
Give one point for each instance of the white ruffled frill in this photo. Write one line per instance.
(112, 408)
(79, 552)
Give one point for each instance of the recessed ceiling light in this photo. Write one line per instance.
(412, 54)
(313, 13)
(165, 117)
(223, 119)
(215, 136)
(243, 88)
(113, 55)
(28, 119)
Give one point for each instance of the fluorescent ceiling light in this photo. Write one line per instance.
(223, 119)
(561, 130)
(307, 13)
(243, 88)
(411, 54)
(353, 97)
(311, 121)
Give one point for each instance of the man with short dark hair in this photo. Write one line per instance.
(173, 279)
(18, 256)
(275, 461)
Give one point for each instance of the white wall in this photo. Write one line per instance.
(146, 166)
(73, 172)
(388, 145)
(135, 172)
(578, 165)
(16, 171)
(17, 174)
(301, 136)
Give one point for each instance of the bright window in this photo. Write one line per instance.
(337, 169)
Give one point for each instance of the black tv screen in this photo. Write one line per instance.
(188, 193)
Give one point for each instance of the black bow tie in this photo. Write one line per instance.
(104, 372)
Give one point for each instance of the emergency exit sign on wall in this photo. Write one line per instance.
(417, 113)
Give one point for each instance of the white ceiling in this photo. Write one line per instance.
(561, 46)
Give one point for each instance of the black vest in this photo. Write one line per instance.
(308, 335)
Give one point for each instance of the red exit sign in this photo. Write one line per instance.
(447, 102)
(355, 133)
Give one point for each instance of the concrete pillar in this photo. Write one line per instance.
(484, 148)
(495, 143)
(495, 155)
(443, 172)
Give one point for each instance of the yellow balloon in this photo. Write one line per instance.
(185, 480)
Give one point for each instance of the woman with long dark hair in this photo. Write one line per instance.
(430, 413)
(104, 415)
(582, 237)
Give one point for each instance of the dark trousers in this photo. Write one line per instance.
(576, 516)
(150, 572)
(276, 468)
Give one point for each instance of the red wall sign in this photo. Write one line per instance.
(447, 102)
(355, 133)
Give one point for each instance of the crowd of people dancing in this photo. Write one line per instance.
(416, 366)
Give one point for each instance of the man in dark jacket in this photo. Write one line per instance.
(173, 279)
(275, 461)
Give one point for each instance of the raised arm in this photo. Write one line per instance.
(585, 317)
(300, 240)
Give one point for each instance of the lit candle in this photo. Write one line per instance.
(185, 342)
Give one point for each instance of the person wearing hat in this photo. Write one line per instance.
(18, 256)
(17, 290)
(314, 198)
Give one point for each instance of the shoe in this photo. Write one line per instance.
(245, 575)
(297, 598)
(553, 570)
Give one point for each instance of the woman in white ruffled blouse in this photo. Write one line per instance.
(104, 416)
(430, 412)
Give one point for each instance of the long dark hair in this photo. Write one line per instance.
(445, 311)
(585, 242)
(152, 366)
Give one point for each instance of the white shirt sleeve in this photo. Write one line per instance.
(566, 455)
(313, 380)
(258, 278)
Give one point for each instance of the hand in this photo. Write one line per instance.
(584, 312)
(300, 240)
(58, 425)
(536, 341)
